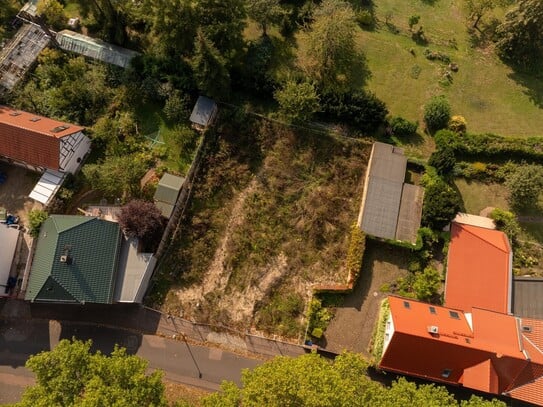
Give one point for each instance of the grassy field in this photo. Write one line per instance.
(478, 195)
(486, 92)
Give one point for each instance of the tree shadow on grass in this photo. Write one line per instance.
(533, 86)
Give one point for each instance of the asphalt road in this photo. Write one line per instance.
(181, 361)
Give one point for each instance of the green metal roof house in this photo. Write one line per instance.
(167, 192)
(75, 261)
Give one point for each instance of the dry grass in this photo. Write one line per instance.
(300, 195)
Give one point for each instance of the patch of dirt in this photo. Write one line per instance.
(15, 190)
(217, 275)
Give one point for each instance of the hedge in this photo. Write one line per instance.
(491, 146)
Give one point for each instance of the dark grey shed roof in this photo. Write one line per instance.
(390, 209)
(203, 111)
(528, 297)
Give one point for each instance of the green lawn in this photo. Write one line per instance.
(483, 90)
(479, 195)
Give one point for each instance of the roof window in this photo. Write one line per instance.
(446, 373)
(526, 328)
(58, 129)
(35, 119)
(432, 310)
(454, 314)
(15, 114)
(406, 304)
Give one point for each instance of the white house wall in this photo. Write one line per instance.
(73, 149)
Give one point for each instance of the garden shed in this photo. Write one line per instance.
(204, 113)
(167, 192)
(391, 208)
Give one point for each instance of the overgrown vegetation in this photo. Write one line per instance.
(35, 219)
(299, 195)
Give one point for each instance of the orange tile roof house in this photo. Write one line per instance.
(474, 341)
(44, 145)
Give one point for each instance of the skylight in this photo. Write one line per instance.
(406, 304)
(432, 310)
(454, 314)
(58, 129)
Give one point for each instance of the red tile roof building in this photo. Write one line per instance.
(479, 269)
(476, 343)
(41, 143)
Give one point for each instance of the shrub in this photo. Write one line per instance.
(402, 127)
(458, 124)
(525, 185)
(506, 222)
(427, 284)
(436, 56)
(355, 253)
(282, 314)
(176, 107)
(357, 108)
(365, 18)
(318, 316)
(35, 219)
(437, 113)
(297, 101)
(443, 161)
(441, 204)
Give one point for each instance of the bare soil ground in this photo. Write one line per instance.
(353, 324)
(14, 192)
(14, 197)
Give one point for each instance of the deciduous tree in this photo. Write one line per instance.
(71, 375)
(328, 51)
(265, 13)
(298, 101)
(521, 34)
(144, 221)
(117, 176)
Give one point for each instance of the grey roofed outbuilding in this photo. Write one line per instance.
(135, 270)
(167, 192)
(204, 112)
(95, 48)
(75, 260)
(391, 209)
(528, 297)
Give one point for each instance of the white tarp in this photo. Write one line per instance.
(47, 186)
(8, 239)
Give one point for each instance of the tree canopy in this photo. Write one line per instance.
(521, 34)
(71, 375)
(328, 49)
(311, 380)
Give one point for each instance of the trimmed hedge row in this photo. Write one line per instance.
(491, 146)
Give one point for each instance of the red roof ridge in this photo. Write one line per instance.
(468, 229)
